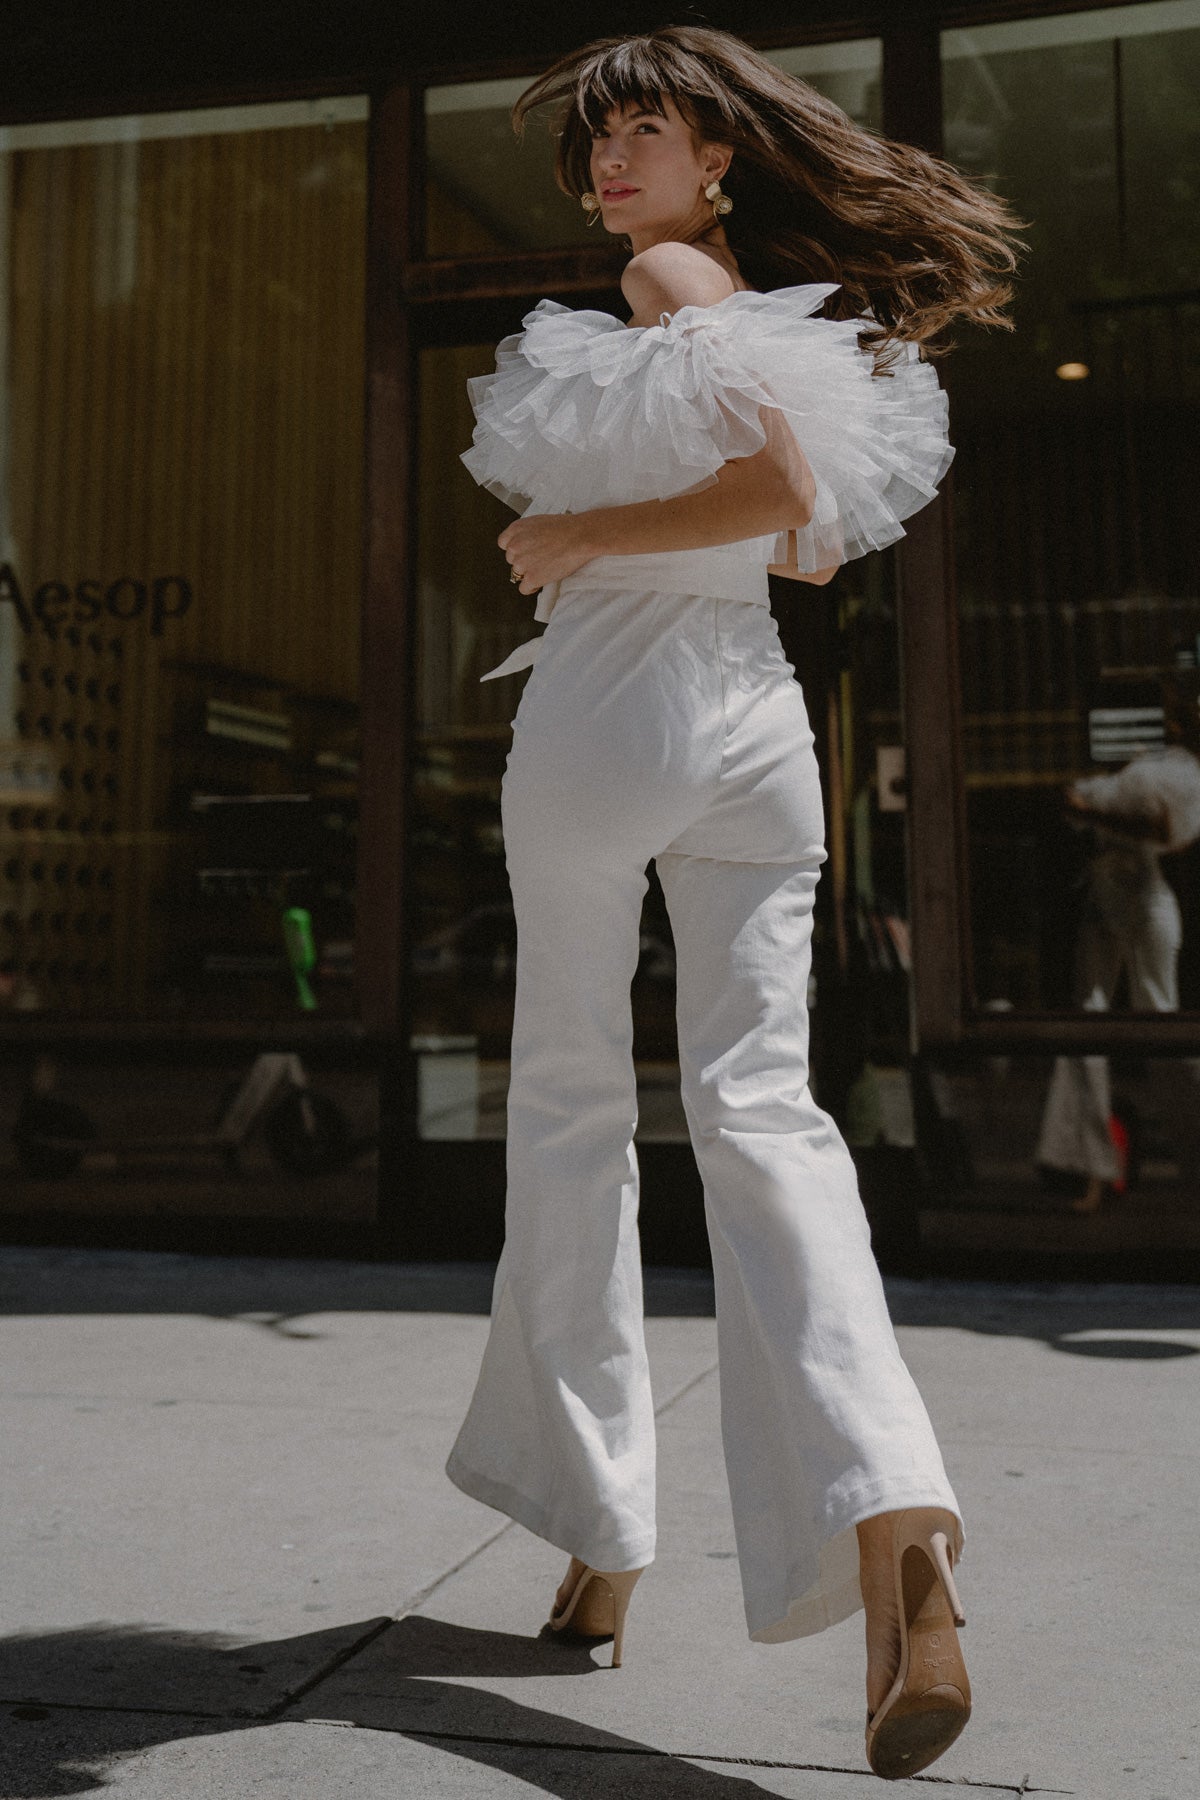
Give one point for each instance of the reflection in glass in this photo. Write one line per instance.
(181, 305)
(262, 1136)
(989, 1189)
(1130, 925)
(1076, 573)
(1079, 615)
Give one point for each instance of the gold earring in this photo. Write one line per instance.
(722, 204)
(591, 206)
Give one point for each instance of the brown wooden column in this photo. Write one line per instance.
(928, 618)
(388, 631)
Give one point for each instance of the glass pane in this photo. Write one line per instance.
(487, 194)
(464, 933)
(1078, 587)
(181, 513)
(842, 641)
(1079, 597)
(1128, 1191)
(850, 73)
(261, 1137)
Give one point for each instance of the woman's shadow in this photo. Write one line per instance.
(75, 1700)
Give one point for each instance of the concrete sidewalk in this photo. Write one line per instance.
(233, 1566)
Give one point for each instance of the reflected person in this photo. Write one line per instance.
(1130, 921)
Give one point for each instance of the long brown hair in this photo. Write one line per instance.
(816, 197)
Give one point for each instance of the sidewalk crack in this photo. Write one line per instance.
(418, 1599)
(686, 1756)
(682, 1392)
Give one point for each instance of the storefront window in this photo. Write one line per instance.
(487, 194)
(181, 472)
(1078, 586)
(181, 524)
(1077, 579)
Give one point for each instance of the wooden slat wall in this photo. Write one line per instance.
(186, 328)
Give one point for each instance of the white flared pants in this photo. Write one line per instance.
(670, 726)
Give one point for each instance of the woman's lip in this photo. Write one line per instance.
(617, 193)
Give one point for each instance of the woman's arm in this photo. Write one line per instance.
(752, 496)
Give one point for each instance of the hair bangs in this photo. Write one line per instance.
(623, 76)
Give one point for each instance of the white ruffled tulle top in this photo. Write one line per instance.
(584, 411)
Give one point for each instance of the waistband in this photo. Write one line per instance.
(715, 574)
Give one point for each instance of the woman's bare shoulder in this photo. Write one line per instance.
(668, 276)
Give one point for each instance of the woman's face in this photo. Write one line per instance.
(650, 175)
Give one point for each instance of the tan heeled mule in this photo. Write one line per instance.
(596, 1606)
(929, 1702)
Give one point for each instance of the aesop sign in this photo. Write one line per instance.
(57, 603)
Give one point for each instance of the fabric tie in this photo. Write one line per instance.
(716, 574)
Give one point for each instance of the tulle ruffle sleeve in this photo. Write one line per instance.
(583, 411)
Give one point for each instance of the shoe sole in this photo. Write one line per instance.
(906, 1744)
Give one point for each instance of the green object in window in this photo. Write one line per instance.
(301, 952)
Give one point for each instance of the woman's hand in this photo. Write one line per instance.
(546, 547)
(759, 495)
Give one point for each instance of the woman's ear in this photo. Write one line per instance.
(715, 161)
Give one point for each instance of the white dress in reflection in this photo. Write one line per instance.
(1130, 921)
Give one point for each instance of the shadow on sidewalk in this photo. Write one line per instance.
(404, 1676)
(273, 1291)
(1077, 1319)
(283, 1296)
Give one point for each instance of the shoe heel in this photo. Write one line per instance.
(929, 1702)
(622, 1587)
(617, 1585)
(939, 1545)
(925, 1528)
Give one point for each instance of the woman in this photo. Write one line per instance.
(1131, 922)
(662, 467)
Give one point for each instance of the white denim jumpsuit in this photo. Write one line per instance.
(662, 721)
